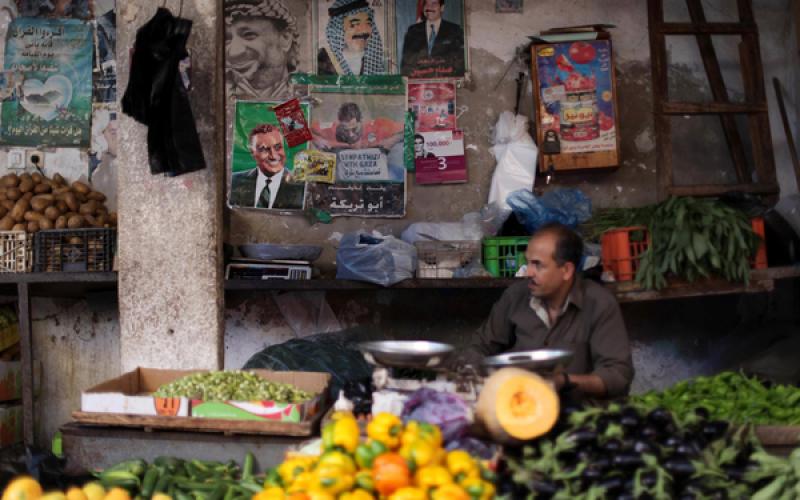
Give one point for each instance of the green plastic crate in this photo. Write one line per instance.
(504, 255)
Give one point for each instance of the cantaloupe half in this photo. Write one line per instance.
(517, 405)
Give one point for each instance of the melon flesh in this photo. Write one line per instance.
(517, 405)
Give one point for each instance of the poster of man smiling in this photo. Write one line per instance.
(351, 37)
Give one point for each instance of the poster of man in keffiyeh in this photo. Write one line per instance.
(351, 37)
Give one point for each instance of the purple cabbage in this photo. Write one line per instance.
(446, 410)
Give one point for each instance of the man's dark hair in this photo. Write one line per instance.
(569, 246)
(264, 128)
(348, 111)
(420, 137)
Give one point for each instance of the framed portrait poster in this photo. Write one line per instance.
(262, 163)
(575, 95)
(351, 37)
(430, 38)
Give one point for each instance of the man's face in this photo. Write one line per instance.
(267, 150)
(357, 30)
(545, 277)
(255, 48)
(349, 132)
(433, 10)
(419, 148)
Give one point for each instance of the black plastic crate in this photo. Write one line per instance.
(74, 250)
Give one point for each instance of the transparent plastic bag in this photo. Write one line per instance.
(384, 260)
(566, 206)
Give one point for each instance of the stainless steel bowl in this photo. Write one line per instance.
(536, 360)
(405, 353)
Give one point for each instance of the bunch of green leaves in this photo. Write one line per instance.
(697, 237)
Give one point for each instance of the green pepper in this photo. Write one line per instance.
(367, 452)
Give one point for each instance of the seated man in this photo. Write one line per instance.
(556, 308)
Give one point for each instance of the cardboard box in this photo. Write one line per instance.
(131, 394)
(313, 382)
(10, 380)
(10, 424)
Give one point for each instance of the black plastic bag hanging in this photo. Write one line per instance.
(157, 97)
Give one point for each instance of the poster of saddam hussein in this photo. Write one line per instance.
(430, 38)
(350, 37)
(262, 47)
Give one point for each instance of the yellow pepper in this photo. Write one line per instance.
(421, 430)
(339, 459)
(409, 493)
(461, 465)
(449, 492)
(478, 489)
(320, 495)
(365, 481)
(290, 469)
(386, 429)
(418, 454)
(357, 494)
(331, 479)
(342, 432)
(432, 477)
(301, 483)
(270, 494)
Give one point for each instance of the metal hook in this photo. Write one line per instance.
(180, 7)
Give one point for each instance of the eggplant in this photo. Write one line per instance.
(544, 487)
(630, 418)
(715, 429)
(660, 416)
(583, 436)
(627, 460)
(612, 445)
(585, 455)
(611, 484)
(649, 433)
(689, 449)
(592, 474)
(672, 441)
(702, 412)
(644, 446)
(679, 466)
(601, 462)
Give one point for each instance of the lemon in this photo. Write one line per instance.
(75, 493)
(22, 488)
(117, 494)
(94, 491)
(160, 496)
(53, 495)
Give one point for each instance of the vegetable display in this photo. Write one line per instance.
(730, 396)
(231, 386)
(395, 462)
(689, 238)
(623, 452)
(165, 478)
(30, 202)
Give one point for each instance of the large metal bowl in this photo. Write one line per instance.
(537, 360)
(405, 353)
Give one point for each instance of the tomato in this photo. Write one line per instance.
(582, 52)
(606, 122)
(390, 473)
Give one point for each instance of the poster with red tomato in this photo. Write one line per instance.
(576, 95)
(433, 105)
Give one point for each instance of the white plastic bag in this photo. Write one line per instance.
(516, 155)
(375, 258)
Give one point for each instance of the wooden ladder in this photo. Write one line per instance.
(755, 104)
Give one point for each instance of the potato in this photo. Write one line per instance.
(33, 226)
(10, 180)
(80, 187)
(8, 204)
(6, 223)
(13, 194)
(51, 213)
(81, 198)
(71, 201)
(31, 216)
(39, 204)
(20, 227)
(3, 194)
(25, 184)
(112, 218)
(37, 178)
(75, 240)
(75, 222)
(45, 223)
(28, 195)
(59, 180)
(88, 208)
(42, 188)
(61, 189)
(18, 212)
(3, 211)
(90, 220)
(61, 222)
(96, 195)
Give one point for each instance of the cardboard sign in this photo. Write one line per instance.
(293, 123)
(441, 159)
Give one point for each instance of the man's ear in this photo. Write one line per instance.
(286, 41)
(569, 271)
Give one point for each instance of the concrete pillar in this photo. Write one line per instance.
(170, 229)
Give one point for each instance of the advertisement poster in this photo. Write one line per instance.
(577, 100)
(54, 103)
(104, 74)
(433, 105)
(364, 127)
(351, 37)
(262, 163)
(430, 38)
(439, 157)
(508, 6)
(55, 8)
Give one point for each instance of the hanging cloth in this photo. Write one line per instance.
(157, 97)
